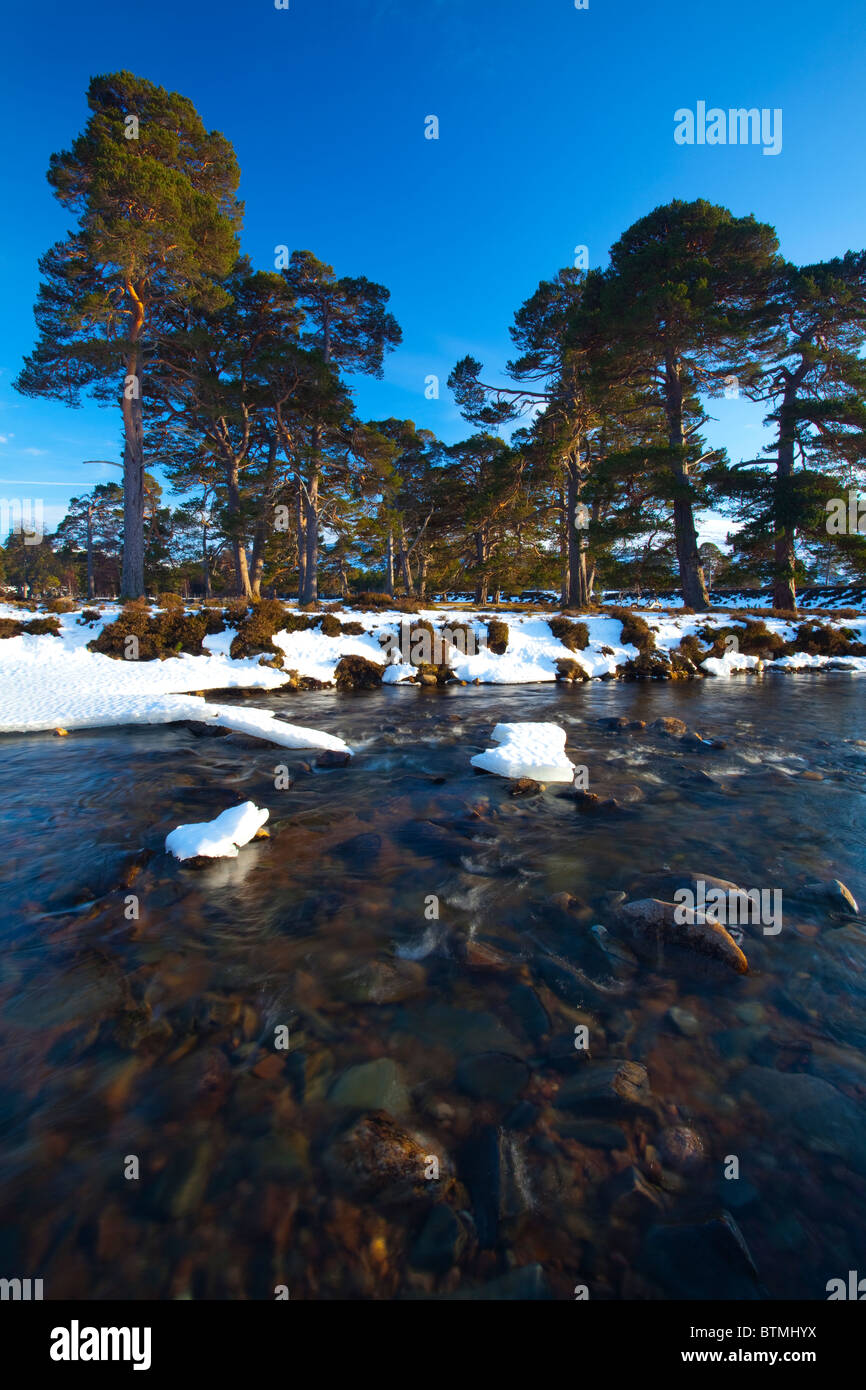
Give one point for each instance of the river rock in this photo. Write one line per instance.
(528, 1008)
(615, 1086)
(493, 1168)
(376, 1085)
(631, 1195)
(670, 727)
(681, 1149)
(374, 1157)
(706, 1262)
(493, 1076)
(441, 1242)
(525, 786)
(651, 920)
(382, 982)
(834, 893)
(820, 1116)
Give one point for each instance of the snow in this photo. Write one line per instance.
(527, 750)
(311, 653)
(219, 838)
(729, 663)
(55, 682)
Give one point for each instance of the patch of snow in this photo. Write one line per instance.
(527, 750)
(219, 838)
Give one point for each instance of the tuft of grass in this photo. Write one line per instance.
(636, 631)
(36, 627)
(497, 636)
(575, 636)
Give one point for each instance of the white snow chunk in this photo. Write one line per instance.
(729, 663)
(220, 838)
(527, 750)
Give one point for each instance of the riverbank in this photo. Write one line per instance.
(55, 679)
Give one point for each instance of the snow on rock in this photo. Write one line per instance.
(263, 723)
(729, 663)
(220, 838)
(527, 750)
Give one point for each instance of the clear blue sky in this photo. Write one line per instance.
(556, 130)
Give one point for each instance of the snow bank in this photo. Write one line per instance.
(527, 750)
(220, 838)
(54, 682)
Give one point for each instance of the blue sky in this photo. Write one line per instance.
(556, 130)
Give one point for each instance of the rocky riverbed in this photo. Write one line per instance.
(430, 1038)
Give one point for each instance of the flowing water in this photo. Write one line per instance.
(406, 918)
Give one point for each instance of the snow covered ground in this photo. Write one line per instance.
(55, 682)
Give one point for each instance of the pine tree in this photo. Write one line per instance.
(346, 322)
(680, 310)
(154, 193)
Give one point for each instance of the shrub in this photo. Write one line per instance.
(497, 636)
(331, 626)
(357, 673)
(820, 640)
(257, 627)
(636, 631)
(36, 627)
(159, 636)
(236, 610)
(61, 605)
(692, 649)
(575, 636)
(367, 599)
(169, 601)
(89, 615)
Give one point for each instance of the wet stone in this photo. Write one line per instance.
(609, 1087)
(707, 1262)
(530, 1011)
(374, 1085)
(376, 1157)
(492, 1076)
(441, 1242)
(382, 982)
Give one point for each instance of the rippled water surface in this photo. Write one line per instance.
(148, 1043)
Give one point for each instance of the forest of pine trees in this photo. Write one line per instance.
(583, 468)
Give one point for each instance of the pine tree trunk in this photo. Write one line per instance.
(89, 553)
(242, 573)
(405, 567)
(481, 558)
(692, 584)
(311, 528)
(205, 562)
(577, 593)
(132, 574)
(563, 547)
(389, 565)
(302, 543)
(784, 554)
